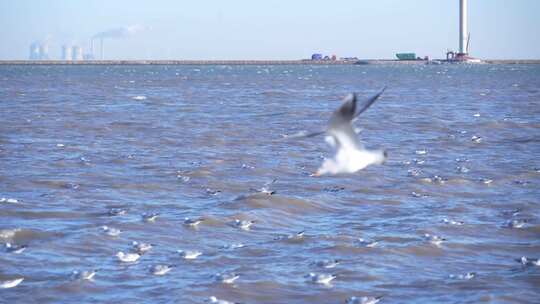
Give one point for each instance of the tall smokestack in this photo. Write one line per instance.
(102, 48)
(463, 26)
(92, 48)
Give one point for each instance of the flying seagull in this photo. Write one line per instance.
(351, 156)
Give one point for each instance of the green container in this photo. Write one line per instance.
(406, 56)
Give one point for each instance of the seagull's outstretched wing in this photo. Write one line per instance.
(367, 103)
(339, 125)
(349, 101)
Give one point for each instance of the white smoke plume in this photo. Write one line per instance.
(120, 32)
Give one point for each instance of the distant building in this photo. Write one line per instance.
(39, 51)
(66, 53)
(34, 51)
(77, 53)
(43, 51)
(316, 56)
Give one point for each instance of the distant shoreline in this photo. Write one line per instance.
(245, 62)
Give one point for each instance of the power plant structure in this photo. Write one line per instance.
(72, 53)
(101, 54)
(92, 54)
(464, 38)
(44, 51)
(66, 53)
(77, 53)
(34, 51)
(39, 51)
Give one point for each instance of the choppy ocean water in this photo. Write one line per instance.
(80, 143)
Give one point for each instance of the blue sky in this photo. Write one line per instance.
(243, 29)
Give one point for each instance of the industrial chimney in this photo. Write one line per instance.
(101, 50)
(463, 54)
(463, 33)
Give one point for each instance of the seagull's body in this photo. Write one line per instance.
(266, 188)
(192, 222)
(127, 257)
(467, 276)
(12, 248)
(321, 278)
(243, 224)
(299, 236)
(213, 299)
(452, 222)
(189, 254)
(515, 224)
(111, 231)
(233, 246)
(363, 300)
(160, 270)
(83, 275)
(10, 283)
(327, 263)
(226, 278)
(525, 261)
(351, 156)
(9, 200)
(366, 243)
(434, 239)
(150, 217)
(117, 211)
(141, 248)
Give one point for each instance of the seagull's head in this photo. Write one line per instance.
(379, 157)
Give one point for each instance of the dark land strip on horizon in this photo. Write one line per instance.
(245, 62)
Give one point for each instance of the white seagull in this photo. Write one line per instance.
(365, 243)
(111, 231)
(351, 155)
(127, 257)
(327, 263)
(83, 275)
(192, 222)
(10, 283)
(434, 239)
(363, 300)
(467, 276)
(141, 248)
(525, 261)
(226, 278)
(320, 278)
(150, 217)
(213, 299)
(160, 270)
(243, 224)
(189, 254)
(12, 248)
